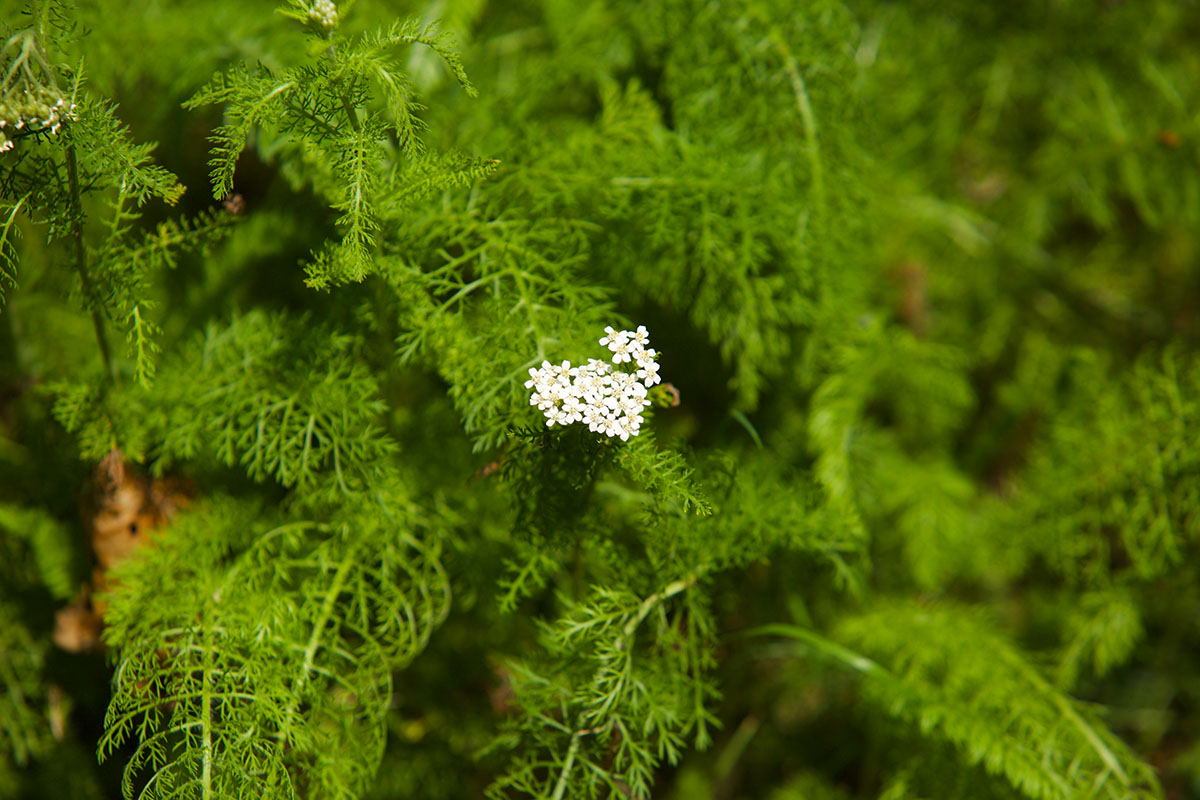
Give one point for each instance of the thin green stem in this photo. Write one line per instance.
(650, 602)
(206, 699)
(89, 289)
(325, 615)
(560, 787)
(351, 114)
(804, 106)
(825, 646)
(809, 121)
(1071, 713)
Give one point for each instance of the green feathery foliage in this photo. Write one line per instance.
(272, 650)
(26, 732)
(913, 514)
(941, 670)
(310, 116)
(39, 551)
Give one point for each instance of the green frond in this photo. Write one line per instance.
(108, 157)
(430, 174)
(357, 166)
(262, 393)
(1102, 635)
(528, 572)
(410, 31)
(510, 288)
(756, 516)
(637, 689)
(72, 404)
(1117, 459)
(318, 105)
(664, 474)
(143, 335)
(221, 88)
(24, 730)
(126, 265)
(367, 65)
(269, 669)
(8, 252)
(942, 670)
(99, 420)
(254, 97)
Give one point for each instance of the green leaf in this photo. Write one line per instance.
(943, 670)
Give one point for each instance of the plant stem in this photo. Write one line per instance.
(560, 787)
(206, 720)
(351, 114)
(809, 120)
(89, 290)
(650, 602)
(326, 614)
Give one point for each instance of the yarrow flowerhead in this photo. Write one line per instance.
(323, 14)
(30, 100)
(605, 399)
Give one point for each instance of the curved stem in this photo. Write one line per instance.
(89, 289)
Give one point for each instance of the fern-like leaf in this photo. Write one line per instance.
(944, 671)
(258, 662)
(269, 396)
(108, 156)
(8, 251)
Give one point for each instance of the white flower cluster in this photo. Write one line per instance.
(324, 14)
(39, 108)
(605, 399)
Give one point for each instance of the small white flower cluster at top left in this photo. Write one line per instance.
(323, 13)
(42, 108)
(604, 398)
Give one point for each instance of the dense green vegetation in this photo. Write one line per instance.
(914, 513)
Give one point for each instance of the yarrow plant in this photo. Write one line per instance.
(906, 534)
(607, 400)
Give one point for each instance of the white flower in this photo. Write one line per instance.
(613, 427)
(594, 417)
(606, 399)
(649, 373)
(620, 350)
(613, 336)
